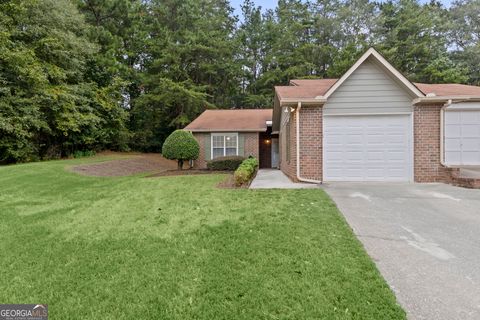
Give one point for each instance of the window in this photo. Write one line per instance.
(224, 144)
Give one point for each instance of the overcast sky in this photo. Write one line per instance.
(270, 4)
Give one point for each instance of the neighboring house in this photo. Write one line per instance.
(243, 132)
(372, 124)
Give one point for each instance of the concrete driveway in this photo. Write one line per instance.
(425, 240)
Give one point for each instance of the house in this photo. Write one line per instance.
(372, 124)
(245, 132)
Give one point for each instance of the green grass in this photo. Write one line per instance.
(179, 248)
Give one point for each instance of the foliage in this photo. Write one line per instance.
(124, 74)
(48, 107)
(181, 145)
(245, 172)
(230, 163)
(85, 153)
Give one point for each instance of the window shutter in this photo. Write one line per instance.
(241, 144)
(208, 149)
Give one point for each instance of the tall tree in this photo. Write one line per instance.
(413, 38)
(465, 37)
(189, 66)
(48, 109)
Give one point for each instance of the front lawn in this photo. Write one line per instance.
(179, 248)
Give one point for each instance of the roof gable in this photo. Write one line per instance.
(376, 57)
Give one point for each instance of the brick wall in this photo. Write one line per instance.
(310, 144)
(200, 163)
(427, 167)
(288, 163)
(250, 146)
(311, 134)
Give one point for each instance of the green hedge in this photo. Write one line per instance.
(181, 145)
(245, 171)
(230, 163)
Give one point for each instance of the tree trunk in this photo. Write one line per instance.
(180, 164)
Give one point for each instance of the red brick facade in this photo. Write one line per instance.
(310, 144)
(250, 146)
(426, 136)
(200, 163)
(287, 147)
(427, 166)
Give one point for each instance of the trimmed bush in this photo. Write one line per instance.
(230, 163)
(181, 145)
(245, 171)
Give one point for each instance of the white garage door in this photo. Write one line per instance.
(462, 137)
(367, 148)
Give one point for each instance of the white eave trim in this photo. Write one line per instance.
(372, 52)
(443, 99)
(295, 101)
(226, 130)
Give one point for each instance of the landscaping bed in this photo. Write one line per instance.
(130, 164)
(187, 172)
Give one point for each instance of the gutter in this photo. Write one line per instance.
(297, 136)
(296, 101)
(436, 99)
(226, 130)
(442, 133)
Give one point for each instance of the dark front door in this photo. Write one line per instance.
(265, 150)
(266, 140)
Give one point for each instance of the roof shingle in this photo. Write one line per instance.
(311, 88)
(231, 120)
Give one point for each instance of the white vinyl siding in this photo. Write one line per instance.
(462, 137)
(369, 90)
(224, 144)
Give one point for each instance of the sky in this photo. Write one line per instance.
(270, 4)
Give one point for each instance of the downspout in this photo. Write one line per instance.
(442, 132)
(297, 136)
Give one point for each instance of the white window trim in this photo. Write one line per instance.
(222, 134)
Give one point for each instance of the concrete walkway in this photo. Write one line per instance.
(276, 179)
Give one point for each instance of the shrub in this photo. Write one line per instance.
(181, 145)
(245, 171)
(225, 163)
(86, 153)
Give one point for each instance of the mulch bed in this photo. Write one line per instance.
(138, 163)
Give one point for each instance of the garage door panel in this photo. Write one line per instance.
(462, 137)
(470, 144)
(470, 130)
(378, 149)
(453, 130)
(471, 157)
(453, 157)
(354, 156)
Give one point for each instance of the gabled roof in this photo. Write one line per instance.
(449, 89)
(300, 92)
(373, 54)
(311, 88)
(246, 120)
